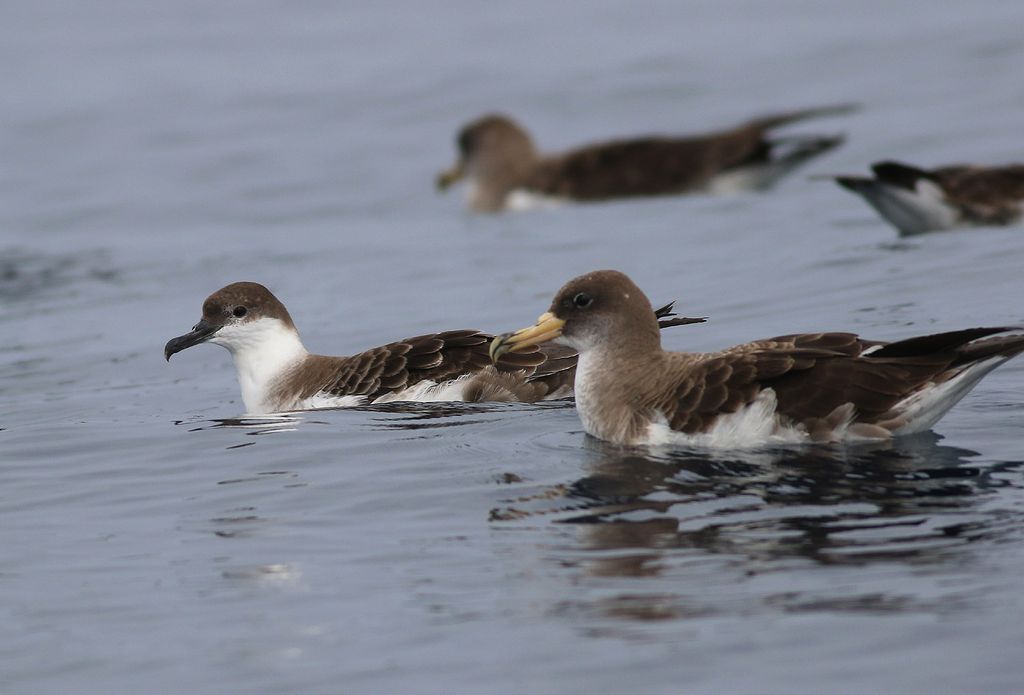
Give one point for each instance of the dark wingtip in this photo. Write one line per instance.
(777, 120)
(667, 318)
(939, 342)
(854, 183)
(666, 310)
(899, 174)
(827, 142)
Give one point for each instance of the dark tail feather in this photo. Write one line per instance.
(1006, 346)
(899, 174)
(780, 119)
(681, 321)
(666, 310)
(963, 342)
(794, 150)
(857, 184)
(667, 318)
(786, 154)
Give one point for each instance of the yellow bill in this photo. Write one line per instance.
(449, 176)
(548, 327)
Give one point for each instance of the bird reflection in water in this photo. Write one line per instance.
(695, 517)
(255, 425)
(420, 415)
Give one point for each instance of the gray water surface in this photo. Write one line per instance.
(152, 541)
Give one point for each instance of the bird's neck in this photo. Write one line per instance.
(262, 361)
(611, 393)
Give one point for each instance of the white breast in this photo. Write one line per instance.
(262, 350)
(587, 394)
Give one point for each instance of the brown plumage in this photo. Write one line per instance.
(277, 373)
(437, 357)
(819, 386)
(918, 200)
(500, 158)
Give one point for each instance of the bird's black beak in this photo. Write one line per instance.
(200, 333)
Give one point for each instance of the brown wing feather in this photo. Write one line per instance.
(989, 195)
(986, 185)
(529, 375)
(813, 375)
(646, 166)
(723, 384)
(664, 165)
(437, 357)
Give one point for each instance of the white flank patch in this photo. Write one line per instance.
(422, 392)
(737, 181)
(429, 392)
(754, 425)
(912, 212)
(325, 400)
(522, 201)
(472, 190)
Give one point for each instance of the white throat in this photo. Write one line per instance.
(588, 390)
(263, 350)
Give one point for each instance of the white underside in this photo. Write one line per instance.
(741, 180)
(522, 201)
(912, 212)
(516, 200)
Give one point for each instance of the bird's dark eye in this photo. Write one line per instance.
(239, 311)
(582, 300)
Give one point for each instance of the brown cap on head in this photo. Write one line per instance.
(244, 300)
(602, 309)
(491, 146)
(237, 303)
(606, 305)
(492, 131)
